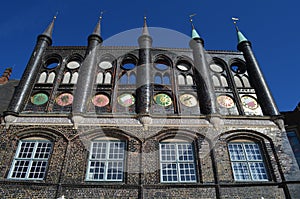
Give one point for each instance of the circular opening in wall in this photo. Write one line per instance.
(128, 64)
(51, 63)
(238, 68)
(216, 68)
(183, 66)
(73, 64)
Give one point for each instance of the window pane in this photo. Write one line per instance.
(185, 152)
(37, 170)
(187, 172)
(96, 170)
(98, 150)
(26, 150)
(236, 152)
(241, 171)
(252, 151)
(258, 171)
(20, 169)
(116, 150)
(169, 172)
(115, 170)
(43, 150)
(168, 152)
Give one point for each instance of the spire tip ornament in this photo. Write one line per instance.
(240, 35)
(191, 20)
(235, 19)
(195, 34)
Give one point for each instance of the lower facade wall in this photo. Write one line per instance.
(99, 193)
(30, 191)
(253, 192)
(15, 191)
(179, 193)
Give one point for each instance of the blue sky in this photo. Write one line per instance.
(271, 25)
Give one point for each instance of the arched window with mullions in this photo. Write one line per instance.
(106, 160)
(31, 159)
(177, 161)
(247, 161)
(128, 70)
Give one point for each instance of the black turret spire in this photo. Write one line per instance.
(87, 74)
(26, 83)
(256, 78)
(145, 30)
(97, 30)
(144, 78)
(206, 93)
(49, 30)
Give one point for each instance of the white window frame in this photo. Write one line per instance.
(107, 162)
(30, 165)
(190, 166)
(251, 164)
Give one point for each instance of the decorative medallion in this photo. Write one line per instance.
(188, 100)
(225, 101)
(126, 100)
(100, 100)
(39, 98)
(249, 102)
(163, 99)
(64, 99)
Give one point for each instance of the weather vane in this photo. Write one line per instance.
(191, 19)
(101, 15)
(235, 19)
(55, 16)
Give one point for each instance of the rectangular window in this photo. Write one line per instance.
(177, 162)
(106, 161)
(31, 160)
(247, 162)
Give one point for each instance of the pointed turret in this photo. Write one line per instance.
(195, 34)
(145, 30)
(49, 30)
(256, 77)
(240, 35)
(87, 74)
(144, 72)
(204, 83)
(30, 74)
(96, 35)
(97, 30)
(145, 40)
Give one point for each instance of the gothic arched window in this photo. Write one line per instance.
(177, 161)
(31, 159)
(106, 160)
(247, 161)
